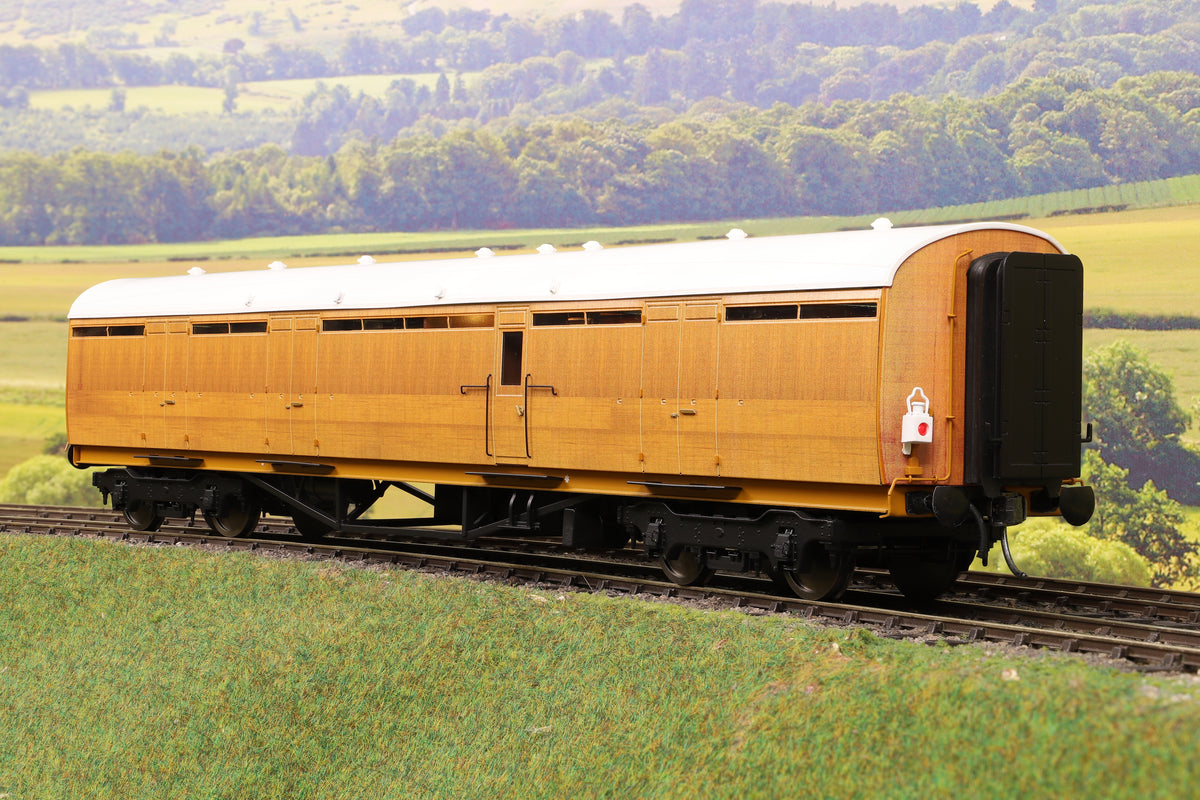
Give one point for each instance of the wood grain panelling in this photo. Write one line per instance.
(105, 401)
(509, 427)
(696, 402)
(227, 376)
(592, 422)
(798, 400)
(304, 397)
(395, 394)
(277, 395)
(923, 345)
(291, 393)
(679, 388)
(164, 394)
(660, 390)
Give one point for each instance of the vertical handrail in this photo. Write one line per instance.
(529, 386)
(487, 411)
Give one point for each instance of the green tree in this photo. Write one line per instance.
(1137, 420)
(48, 480)
(28, 185)
(830, 169)
(1145, 519)
(1131, 402)
(1053, 550)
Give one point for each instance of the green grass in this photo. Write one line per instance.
(177, 673)
(33, 377)
(1136, 261)
(33, 358)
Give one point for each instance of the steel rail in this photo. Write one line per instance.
(1157, 640)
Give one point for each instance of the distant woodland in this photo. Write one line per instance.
(724, 109)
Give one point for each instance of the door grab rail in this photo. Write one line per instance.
(487, 412)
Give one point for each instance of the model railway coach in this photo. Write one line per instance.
(787, 405)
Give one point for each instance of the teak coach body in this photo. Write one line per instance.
(780, 404)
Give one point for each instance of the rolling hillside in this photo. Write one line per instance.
(206, 25)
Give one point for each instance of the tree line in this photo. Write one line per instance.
(759, 53)
(717, 161)
(465, 39)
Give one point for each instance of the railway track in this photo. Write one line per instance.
(1148, 629)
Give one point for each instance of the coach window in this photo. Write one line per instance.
(510, 358)
(760, 313)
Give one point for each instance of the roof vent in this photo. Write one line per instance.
(337, 301)
(736, 235)
(366, 260)
(555, 286)
(196, 271)
(882, 224)
(593, 246)
(546, 249)
(440, 293)
(277, 265)
(485, 252)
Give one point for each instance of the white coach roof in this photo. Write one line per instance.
(841, 260)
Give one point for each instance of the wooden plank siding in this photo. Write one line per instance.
(664, 386)
(681, 393)
(924, 344)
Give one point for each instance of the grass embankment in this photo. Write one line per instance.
(176, 673)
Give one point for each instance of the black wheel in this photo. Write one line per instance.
(142, 516)
(310, 527)
(926, 576)
(822, 575)
(686, 568)
(235, 522)
(345, 500)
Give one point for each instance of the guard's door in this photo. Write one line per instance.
(164, 387)
(679, 391)
(291, 386)
(509, 421)
(698, 355)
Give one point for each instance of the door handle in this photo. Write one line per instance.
(688, 412)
